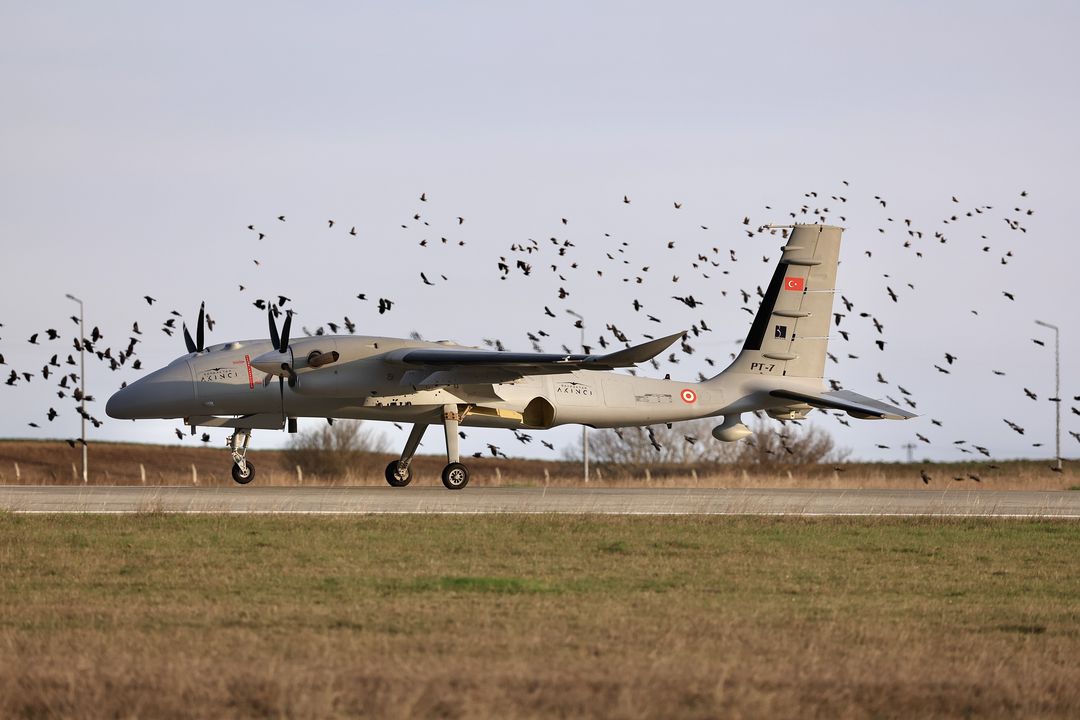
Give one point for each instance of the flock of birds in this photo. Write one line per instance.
(635, 271)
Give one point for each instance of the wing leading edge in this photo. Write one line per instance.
(444, 366)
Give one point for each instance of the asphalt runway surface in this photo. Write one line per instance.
(605, 501)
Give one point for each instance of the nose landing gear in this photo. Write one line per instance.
(243, 471)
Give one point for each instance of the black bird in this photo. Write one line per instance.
(1008, 295)
(1014, 426)
(949, 358)
(925, 478)
(205, 437)
(149, 300)
(1030, 394)
(424, 278)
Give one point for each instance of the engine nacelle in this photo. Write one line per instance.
(732, 430)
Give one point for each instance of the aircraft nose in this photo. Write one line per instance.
(165, 393)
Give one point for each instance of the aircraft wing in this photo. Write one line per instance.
(447, 366)
(850, 402)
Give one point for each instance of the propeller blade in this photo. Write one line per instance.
(287, 369)
(188, 341)
(199, 328)
(284, 346)
(273, 329)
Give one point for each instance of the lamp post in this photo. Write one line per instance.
(1057, 391)
(82, 379)
(584, 428)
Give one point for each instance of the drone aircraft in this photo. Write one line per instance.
(779, 370)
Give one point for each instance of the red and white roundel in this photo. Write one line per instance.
(688, 396)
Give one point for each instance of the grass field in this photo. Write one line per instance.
(503, 616)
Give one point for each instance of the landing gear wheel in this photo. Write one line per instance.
(394, 477)
(455, 476)
(243, 477)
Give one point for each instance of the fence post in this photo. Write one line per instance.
(648, 475)
(142, 473)
(194, 475)
(74, 473)
(498, 476)
(16, 472)
(547, 477)
(599, 473)
(299, 476)
(693, 474)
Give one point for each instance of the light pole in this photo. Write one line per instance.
(1057, 391)
(82, 379)
(584, 429)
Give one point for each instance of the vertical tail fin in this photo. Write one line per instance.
(790, 333)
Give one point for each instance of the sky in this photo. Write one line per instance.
(138, 142)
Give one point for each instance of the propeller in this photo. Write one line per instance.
(196, 345)
(281, 342)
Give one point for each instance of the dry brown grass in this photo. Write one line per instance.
(119, 464)
(165, 616)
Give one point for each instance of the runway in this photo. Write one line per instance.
(605, 501)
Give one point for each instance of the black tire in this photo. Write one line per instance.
(394, 479)
(455, 476)
(241, 478)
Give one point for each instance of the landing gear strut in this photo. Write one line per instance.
(454, 476)
(243, 471)
(398, 473)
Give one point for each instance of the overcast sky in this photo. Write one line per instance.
(138, 142)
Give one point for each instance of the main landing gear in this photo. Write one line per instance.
(455, 476)
(243, 471)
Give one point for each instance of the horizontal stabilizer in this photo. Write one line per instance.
(852, 403)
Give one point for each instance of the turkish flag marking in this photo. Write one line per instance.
(794, 283)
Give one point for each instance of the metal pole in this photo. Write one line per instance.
(584, 428)
(1057, 391)
(82, 380)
